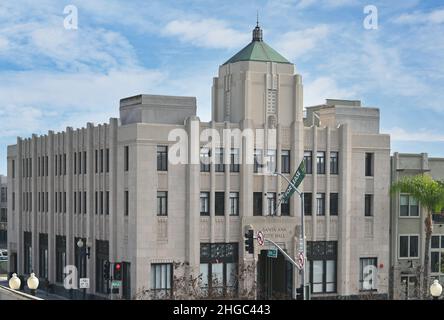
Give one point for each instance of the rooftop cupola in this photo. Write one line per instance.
(257, 33)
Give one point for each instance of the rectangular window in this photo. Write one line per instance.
(285, 208)
(126, 158)
(320, 204)
(219, 204)
(408, 246)
(38, 166)
(257, 203)
(205, 160)
(107, 160)
(204, 203)
(322, 265)
(126, 203)
(55, 165)
(368, 206)
(234, 203)
(75, 163)
(46, 166)
(161, 280)
(75, 202)
(271, 203)
(84, 162)
(96, 202)
(334, 162)
(271, 161)
(219, 154)
(218, 268)
(84, 202)
(323, 276)
(368, 274)
(13, 201)
(162, 158)
(234, 160)
(107, 203)
(101, 160)
(64, 202)
(162, 203)
(64, 164)
(96, 161)
(308, 209)
(320, 162)
(13, 169)
(408, 206)
(285, 161)
(101, 202)
(257, 160)
(368, 164)
(308, 159)
(334, 207)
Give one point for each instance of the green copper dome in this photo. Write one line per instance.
(258, 50)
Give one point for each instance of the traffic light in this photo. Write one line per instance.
(299, 292)
(117, 271)
(249, 242)
(106, 270)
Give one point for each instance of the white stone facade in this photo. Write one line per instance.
(245, 94)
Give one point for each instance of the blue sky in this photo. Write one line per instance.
(51, 78)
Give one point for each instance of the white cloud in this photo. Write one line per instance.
(302, 4)
(34, 43)
(322, 88)
(207, 33)
(433, 17)
(69, 98)
(294, 44)
(4, 43)
(399, 134)
(17, 119)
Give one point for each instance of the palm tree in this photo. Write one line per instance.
(430, 194)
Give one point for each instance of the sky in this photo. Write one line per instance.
(52, 77)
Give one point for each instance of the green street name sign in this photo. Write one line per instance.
(272, 253)
(296, 181)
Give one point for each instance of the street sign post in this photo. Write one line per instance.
(84, 283)
(260, 238)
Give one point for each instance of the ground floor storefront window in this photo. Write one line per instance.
(219, 269)
(322, 265)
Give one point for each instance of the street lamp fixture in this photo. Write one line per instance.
(435, 289)
(80, 244)
(14, 282)
(33, 283)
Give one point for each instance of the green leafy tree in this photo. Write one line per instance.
(430, 194)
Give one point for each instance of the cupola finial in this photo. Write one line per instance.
(257, 32)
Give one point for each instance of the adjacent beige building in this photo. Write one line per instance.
(408, 230)
(113, 186)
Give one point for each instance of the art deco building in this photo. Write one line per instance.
(113, 186)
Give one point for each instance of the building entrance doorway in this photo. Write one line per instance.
(275, 277)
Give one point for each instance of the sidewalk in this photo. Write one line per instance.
(40, 293)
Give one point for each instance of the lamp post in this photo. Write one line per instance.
(83, 252)
(14, 282)
(436, 289)
(302, 238)
(33, 283)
